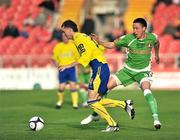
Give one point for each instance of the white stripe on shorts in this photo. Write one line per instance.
(148, 79)
(118, 82)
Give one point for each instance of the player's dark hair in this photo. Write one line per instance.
(71, 24)
(142, 21)
(61, 36)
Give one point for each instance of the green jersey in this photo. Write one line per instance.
(139, 51)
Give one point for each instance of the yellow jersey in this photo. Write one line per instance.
(88, 49)
(65, 54)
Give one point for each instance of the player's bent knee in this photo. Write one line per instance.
(147, 91)
(61, 90)
(90, 102)
(113, 82)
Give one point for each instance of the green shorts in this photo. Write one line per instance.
(127, 77)
(84, 78)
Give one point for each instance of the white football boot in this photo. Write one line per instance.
(157, 124)
(58, 105)
(111, 129)
(129, 109)
(89, 119)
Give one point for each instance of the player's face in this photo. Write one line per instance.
(65, 39)
(139, 30)
(68, 32)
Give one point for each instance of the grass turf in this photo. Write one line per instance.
(17, 107)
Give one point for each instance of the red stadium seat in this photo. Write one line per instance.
(11, 51)
(17, 42)
(48, 49)
(37, 41)
(36, 50)
(6, 41)
(37, 2)
(40, 60)
(174, 47)
(164, 43)
(53, 43)
(20, 63)
(165, 14)
(7, 63)
(2, 50)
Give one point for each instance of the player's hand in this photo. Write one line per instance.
(157, 59)
(95, 37)
(62, 68)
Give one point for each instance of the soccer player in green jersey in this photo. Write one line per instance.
(137, 67)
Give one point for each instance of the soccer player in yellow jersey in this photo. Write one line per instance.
(65, 53)
(91, 54)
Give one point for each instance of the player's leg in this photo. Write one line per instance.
(94, 116)
(62, 84)
(83, 89)
(145, 84)
(74, 94)
(93, 101)
(113, 82)
(127, 105)
(97, 89)
(73, 86)
(60, 95)
(83, 96)
(121, 77)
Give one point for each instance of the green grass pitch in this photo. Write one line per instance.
(17, 107)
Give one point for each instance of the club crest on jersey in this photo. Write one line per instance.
(149, 45)
(81, 49)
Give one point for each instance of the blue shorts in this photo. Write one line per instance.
(100, 77)
(68, 74)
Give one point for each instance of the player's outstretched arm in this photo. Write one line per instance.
(62, 68)
(156, 50)
(108, 45)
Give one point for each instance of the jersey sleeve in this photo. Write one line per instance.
(121, 42)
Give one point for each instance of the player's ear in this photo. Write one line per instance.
(144, 28)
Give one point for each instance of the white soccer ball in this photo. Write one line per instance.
(36, 123)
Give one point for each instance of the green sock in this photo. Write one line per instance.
(83, 95)
(152, 103)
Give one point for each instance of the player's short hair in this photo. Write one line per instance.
(142, 21)
(61, 36)
(71, 24)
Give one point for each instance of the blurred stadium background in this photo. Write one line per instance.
(25, 61)
(25, 52)
(25, 64)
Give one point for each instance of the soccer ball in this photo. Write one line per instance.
(36, 123)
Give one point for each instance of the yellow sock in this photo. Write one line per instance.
(101, 111)
(74, 96)
(60, 97)
(112, 103)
